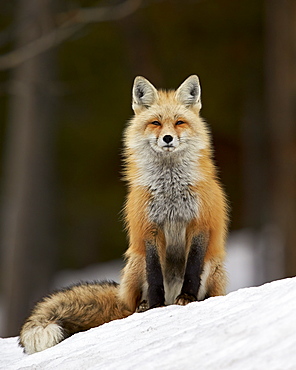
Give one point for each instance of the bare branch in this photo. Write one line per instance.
(73, 22)
(101, 14)
(42, 44)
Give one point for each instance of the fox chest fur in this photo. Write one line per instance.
(172, 200)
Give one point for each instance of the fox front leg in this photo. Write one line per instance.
(193, 271)
(154, 277)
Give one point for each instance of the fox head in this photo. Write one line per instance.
(166, 122)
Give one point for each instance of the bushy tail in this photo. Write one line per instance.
(68, 311)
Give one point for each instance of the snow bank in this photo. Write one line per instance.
(252, 328)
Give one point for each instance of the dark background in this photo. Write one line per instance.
(66, 72)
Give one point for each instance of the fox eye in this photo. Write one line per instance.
(155, 123)
(179, 123)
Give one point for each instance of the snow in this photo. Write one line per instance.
(252, 328)
(241, 260)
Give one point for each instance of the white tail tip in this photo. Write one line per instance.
(39, 338)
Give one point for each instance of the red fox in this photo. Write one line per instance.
(176, 218)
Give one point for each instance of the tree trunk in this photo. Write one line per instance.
(281, 115)
(27, 243)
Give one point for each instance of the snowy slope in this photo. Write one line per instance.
(252, 328)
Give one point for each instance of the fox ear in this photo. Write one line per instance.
(189, 92)
(144, 94)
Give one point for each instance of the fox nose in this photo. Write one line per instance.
(167, 138)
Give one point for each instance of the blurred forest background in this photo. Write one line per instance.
(66, 72)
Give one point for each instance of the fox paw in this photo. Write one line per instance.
(143, 306)
(184, 299)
